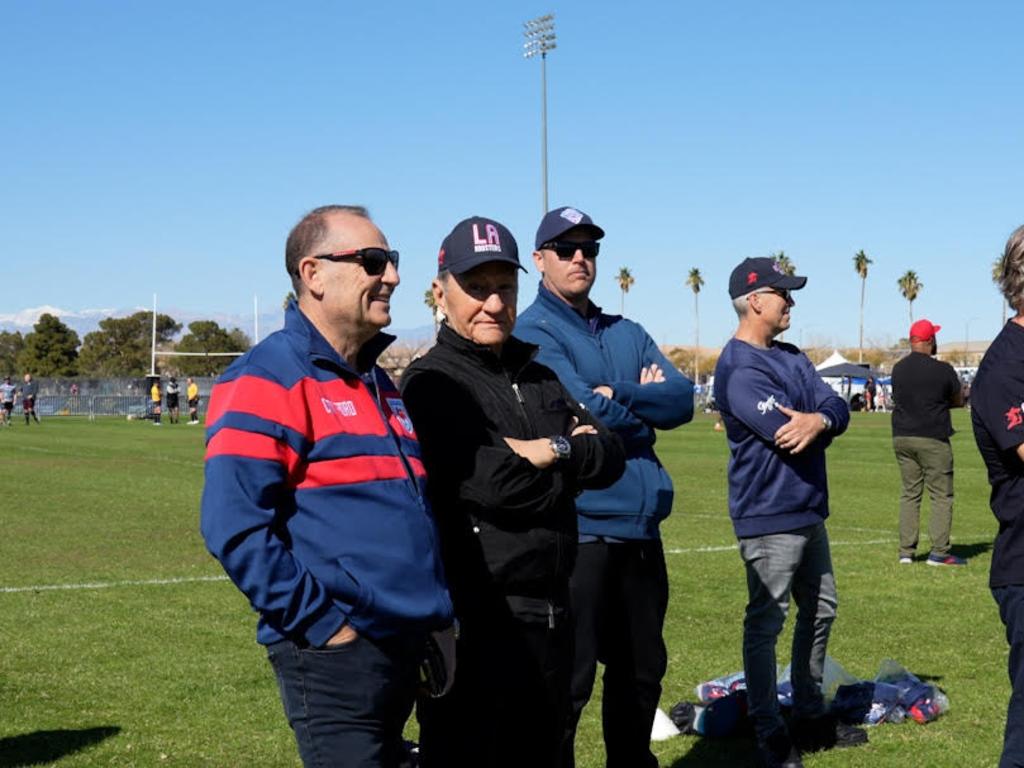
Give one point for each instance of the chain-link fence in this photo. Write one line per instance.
(123, 397)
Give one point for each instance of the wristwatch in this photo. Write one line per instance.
(561, 447)
(826, 421)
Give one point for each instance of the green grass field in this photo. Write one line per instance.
(111, 671)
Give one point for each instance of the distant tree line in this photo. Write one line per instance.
(120, 347)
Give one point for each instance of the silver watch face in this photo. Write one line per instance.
(561, 446)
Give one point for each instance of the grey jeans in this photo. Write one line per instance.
(799, 563)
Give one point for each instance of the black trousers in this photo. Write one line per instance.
(509, 704)
(619, 594)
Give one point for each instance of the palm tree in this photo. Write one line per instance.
(786, 266)
(695, 281)
(431, 302)
(288, 299)
(997, 278)
(626, 281)
(860, 263)
(910, 287)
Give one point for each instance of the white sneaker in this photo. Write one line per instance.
(906, 560)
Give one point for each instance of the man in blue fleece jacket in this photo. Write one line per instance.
(779, 419)
(619, 587)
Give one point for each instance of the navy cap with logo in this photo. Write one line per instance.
(559, 221)
(475, 241)
(754, 274)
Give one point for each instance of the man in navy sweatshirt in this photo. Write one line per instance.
(619, 587)
(779, 419)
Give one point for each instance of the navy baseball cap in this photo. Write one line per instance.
(752, 274)
(475, 241)
(559, 221)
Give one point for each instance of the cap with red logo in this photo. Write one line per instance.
(475, 241)
(924, 330)
(753, 274)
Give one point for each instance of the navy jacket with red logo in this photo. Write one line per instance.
(314, 499)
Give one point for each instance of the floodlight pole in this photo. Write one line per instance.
(152, 357)
(540, 38)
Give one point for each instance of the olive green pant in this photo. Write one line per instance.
(925, 463)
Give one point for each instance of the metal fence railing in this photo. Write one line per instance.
(135, 406)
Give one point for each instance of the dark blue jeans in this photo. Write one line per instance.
(347, 704)
(1011, 611)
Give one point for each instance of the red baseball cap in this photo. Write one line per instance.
(924, 330)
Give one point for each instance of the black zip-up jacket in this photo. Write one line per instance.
(507, 528)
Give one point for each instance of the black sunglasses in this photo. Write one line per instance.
(373, 260)
(566, 250)
(782, 293)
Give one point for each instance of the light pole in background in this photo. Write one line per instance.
(540, 38)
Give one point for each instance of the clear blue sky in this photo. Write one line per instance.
(169, 147)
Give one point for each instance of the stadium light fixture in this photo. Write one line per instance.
(540, 38)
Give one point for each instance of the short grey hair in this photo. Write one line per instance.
(309, 234)
(740, 304)
(1011, 272)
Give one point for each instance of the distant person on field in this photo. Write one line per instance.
(620, 583)
(870, 391)
(315, 502)
(172, 393)
(154, 397)
(7, 394)
(29, 392)
(779, 418)
(998, 420)
(192, 393)
(923, 391)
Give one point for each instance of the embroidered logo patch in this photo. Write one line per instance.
(763, 406)
(571, 214)
(340, 407)
(397, 408)
(1014, 417)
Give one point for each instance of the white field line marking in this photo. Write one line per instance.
(111, 584)
(866, 543)
(734, 547)
(833, 525)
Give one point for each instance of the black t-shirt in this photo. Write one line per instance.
(923, 390)
(997, 402)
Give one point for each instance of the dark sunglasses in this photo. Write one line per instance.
(565, 250)
(373, 260)
(782, 293)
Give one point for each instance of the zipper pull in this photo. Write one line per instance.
(551, 615)
(519, 395)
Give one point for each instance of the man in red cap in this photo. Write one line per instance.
(923, 390)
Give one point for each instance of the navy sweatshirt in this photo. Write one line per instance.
(770, 490)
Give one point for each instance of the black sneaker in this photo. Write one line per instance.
(814, 734)
(778, 751)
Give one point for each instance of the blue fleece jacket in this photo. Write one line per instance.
(610, 350)
(770, 490)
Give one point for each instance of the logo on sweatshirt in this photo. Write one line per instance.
(342, 407)
(397, 408)
(1014, 417)
(763, 406)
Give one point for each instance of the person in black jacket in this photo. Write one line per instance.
(506, 449)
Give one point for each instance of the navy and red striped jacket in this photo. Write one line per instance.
(314, 498)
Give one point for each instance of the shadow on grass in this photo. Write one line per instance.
(47, 747)
(718, 753)
(968, 551)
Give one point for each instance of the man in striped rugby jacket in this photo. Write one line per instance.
(314, 500)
